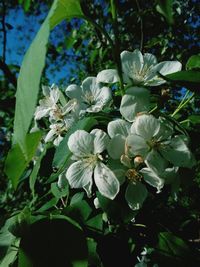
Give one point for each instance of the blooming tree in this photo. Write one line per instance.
(115, 151)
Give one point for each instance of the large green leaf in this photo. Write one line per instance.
(28, 87)
(17, 160)
(58, 241)
(33, 64)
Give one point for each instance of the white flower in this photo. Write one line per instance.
(141, 70)
(50, 106)
(91, 95)
(87, 149)
(49, 103)
(154, 142)
(136, 191)
(58, 129)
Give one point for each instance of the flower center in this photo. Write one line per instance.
(88, 98)
(133, 175)
(154, 144)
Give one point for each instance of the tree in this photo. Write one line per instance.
(105, 195)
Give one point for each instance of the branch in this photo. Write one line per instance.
(141, 26)
(8, 74)
(3, 22)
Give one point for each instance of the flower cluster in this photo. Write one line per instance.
(138, 149)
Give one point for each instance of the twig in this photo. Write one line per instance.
(141, 26)
(4, 30)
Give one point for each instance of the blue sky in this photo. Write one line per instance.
(19, 38)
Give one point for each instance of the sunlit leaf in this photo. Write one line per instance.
(32, 66)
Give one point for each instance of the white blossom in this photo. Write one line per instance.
(154, 142)
(89, 166)
(91, 95)
(140, 70)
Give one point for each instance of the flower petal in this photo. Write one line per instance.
(41, 111)
(149, 60)
(119, 126)
(74, 91)
(177, 152)
(155, 161)
(146, 126)
(135, 195)
(79, 174)
(50, 135)
(131, 62)
(105, 180)
(89, 84)
(152, 178)
(81, 143)
(116, 146)
(57, 140)
(136, 146)
(54, 94)
(136, 99)
(108, 76)
(165, 67)
(100, 140)
(104, 96)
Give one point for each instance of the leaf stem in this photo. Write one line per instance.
(182, 103)
(116, 50)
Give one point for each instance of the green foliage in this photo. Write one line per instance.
(193, 62)
(57, 225)
(189, 79)
(165, 7)
(17, 160)
(29, 77)
(55, 241)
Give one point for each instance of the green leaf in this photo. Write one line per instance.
(24, 260)
(17, 160)
(59, 192)
(172, 245)
(66, 9)
(7, 240)
(116, 210)
(27, 4)
(96, 222)
(58, 241)
(10, 256)
(195, 119)
(62, 153)
(173, 251)
(93, 256)
(193, 62)
(164, 7)
(76, 198)
(80, 211)
(48, 205)
(189, 79)
(33, 176)
(32, 66)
